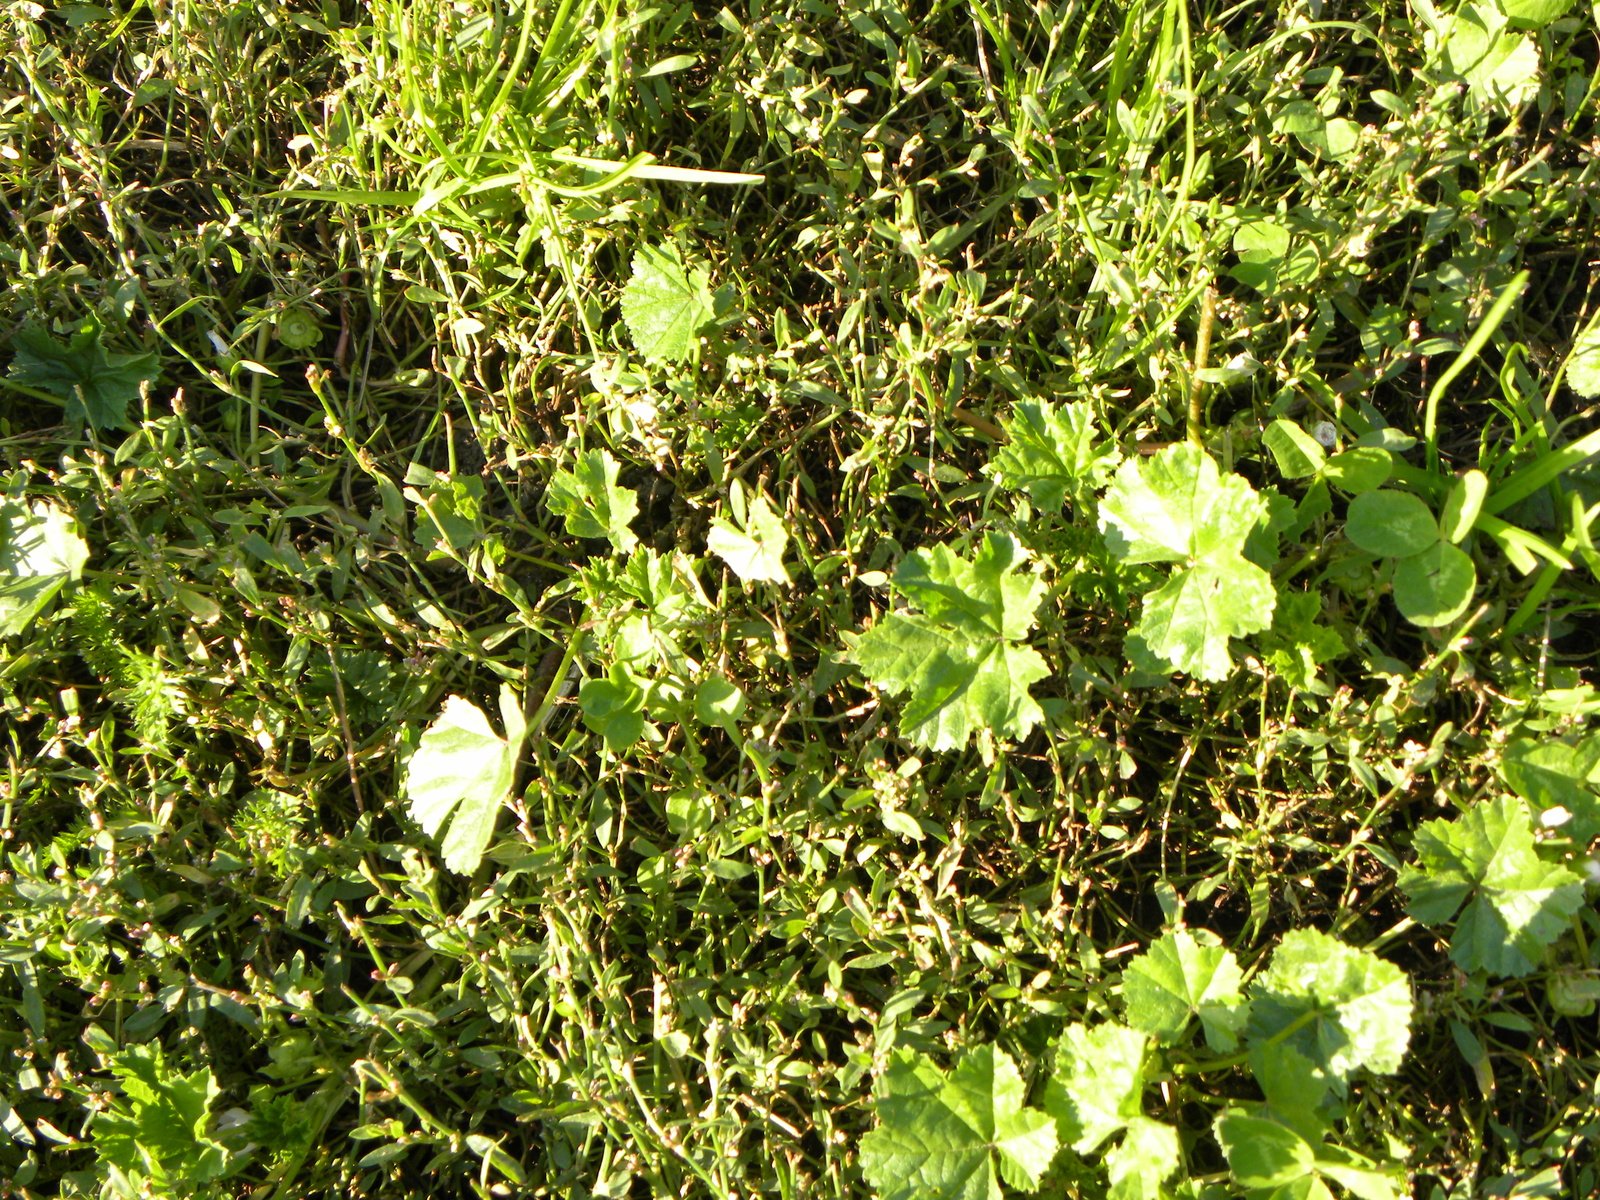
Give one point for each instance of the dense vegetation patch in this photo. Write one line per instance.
(799, 598)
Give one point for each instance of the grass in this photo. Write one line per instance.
(379, 254)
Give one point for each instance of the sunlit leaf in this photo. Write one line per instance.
(956, 1137)
(666, 304)
(959, 661)
(461, 772)
(1177, 507)
(1483, 865)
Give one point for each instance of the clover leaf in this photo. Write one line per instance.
(956, 1137)
(1515, 904)
(1178, 508)
(959, 661)
(1342, 1007)
(96, 384)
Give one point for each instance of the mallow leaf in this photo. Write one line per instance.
(1186, 974)
(1178, 508)
(40, 552)
(1097, 1086)
(754, 542)
(1553, 777)
(1146, 1157)
(1053, 453)
(590, 501)
(96, 384)
(461, 772)
(1341, 1007)
(155, 1133)
(960, 661)
(1512, 904)
(666, 304)
(956, 1136)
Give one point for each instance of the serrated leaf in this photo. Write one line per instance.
(155, 1133)
(1294, 1088)
(956, 1137)
(1097, 1085)
(1553, 776)
(1146, 1157)
(959, 660)
(40, 553)
(1583, 367)
(1052, 453)
(590, 501)
(461, 771)
(1347, 1008)
(755, 551)
(1178, 508)
(1186, 974)
(96, 384)
(666, 304)
(1516, 904)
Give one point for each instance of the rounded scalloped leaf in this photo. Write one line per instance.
(1434, 588)
(1390, 522)
(298, 329)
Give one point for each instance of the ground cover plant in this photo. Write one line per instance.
(799, 599)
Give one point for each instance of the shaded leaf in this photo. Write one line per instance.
(96, 384)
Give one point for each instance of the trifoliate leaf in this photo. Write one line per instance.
(1186, 974)
(1516, 904)
(1347, 1007)
(462, 767)
(1145, 1158)
(956, 1137)
(1434, 587)
(1053, 453)
(96, 384)
(613, 707)
(40, 552)
(1553, 777)
(959, 661)
(1097, 1086)
(1176, 507)
(666, 304)
(1297, 453)
(1390, 522)
(754, 548)
(589, 499)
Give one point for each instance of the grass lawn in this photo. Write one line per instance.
(898, 599)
